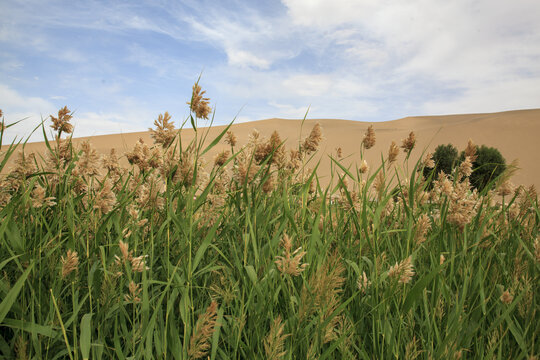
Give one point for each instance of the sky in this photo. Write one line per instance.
(119, 64)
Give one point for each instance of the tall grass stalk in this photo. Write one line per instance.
(249, 256)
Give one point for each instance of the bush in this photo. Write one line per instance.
(445, 158)
(489, 164)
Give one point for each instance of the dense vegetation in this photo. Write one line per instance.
(249, 257)
(488, 165)
(445, 158)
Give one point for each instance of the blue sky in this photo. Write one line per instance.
(118, 64)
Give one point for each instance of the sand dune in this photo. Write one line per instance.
(514, 133)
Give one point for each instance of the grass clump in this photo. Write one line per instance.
(248, 256)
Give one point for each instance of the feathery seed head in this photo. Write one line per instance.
(221, 158)
(311, 143)
(199, 343)
(470, 150)
(138, 264)
(290, 263)
(134, 291)
(363, 283)
(199, 104)
(230, 138)
(70, 263)
(364, 168)
(124, 249)
(506, 297)
(39, 197)
(110, 162)
(408, 143)
(465, 168)
(393, 153)
(61, 123)
(428, 161)
(369, 138)
(275, 340)
(165, 131)
(422, 227)
(404, 271)
(105, 199)
(505, 188)
(88, 162)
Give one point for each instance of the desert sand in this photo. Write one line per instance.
(514, 133)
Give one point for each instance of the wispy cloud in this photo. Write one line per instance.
(364, 60)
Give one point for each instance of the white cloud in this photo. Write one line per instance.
(245, 58)
(356, 59)
(308, 84)
(291, 111)
(493, 97)
(32, 110)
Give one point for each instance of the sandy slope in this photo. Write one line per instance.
(514, 133)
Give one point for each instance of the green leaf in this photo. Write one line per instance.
(10, 298)
(416, 291)
(86, 330)
(24, 325)
(216, 140)
(251, 274)
(202, 249)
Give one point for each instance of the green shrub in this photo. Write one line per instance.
(445, 158)
(488, 165)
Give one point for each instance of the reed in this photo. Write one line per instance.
(99, 261)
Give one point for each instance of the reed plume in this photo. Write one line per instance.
(134, 292)
(221, 158)
(40, 199)
(505, 188)
(403, 271)
(392, 153)
(88, 162)
(199, 105)
(470, 150)
(363, 283)
(422, 227)
(408, 143)
(465, 168)
(274, 342)
(61, 123)
(230, 138)
(165, 131)
(199, 343)
(364, 167)
(428, 161)
(311, 143)
(105, 199)
(70, 263)
(506, 297)
(290, 263)
(369, 138)
(323, 290)
(462, 207)
(110, 162)
(138, 264)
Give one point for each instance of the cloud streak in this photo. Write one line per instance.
(364, 60)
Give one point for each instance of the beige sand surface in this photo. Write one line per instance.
(515, 133)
